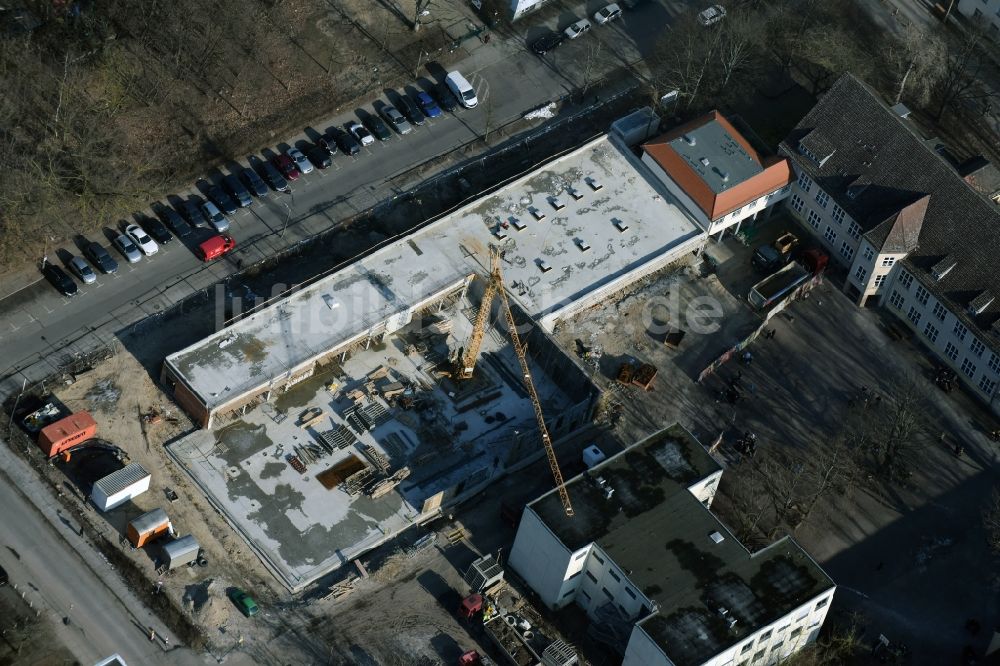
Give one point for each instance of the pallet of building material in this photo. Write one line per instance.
(295, 463)
(455, 536)
(339, 473)
(310, 417)
(385, 485)
(376, 414)
(356, 396)
(394, 446)
(339, 437)
(375, 457)
(339, 590)
(355, 483)
(391, 389)
(381, 372)
(625, 373)
(644, 376)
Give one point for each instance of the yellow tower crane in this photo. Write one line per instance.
(467, 364)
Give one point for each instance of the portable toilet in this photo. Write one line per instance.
(147, 527)
(179, 552)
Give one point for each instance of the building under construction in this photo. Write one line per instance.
(370, 399)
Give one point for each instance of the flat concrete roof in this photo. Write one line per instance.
(603, 218)
(655, 529)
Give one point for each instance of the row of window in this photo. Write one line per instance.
(766, 636)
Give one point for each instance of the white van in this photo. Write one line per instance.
(462, 90)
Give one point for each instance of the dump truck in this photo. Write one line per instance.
(773, 288)
(775, 255)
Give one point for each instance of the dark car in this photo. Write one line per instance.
(191, 208)
(218, 196)
(101, 257)
(244, 602)
(547, 42)
(427, 104)
(4, 579)
(156, 229)
(378, 128)
(347, 143)
(320, 158)
(176, 223)
(445, 99)
(253, 183)
(236, 190)
(410, 110)
(287, 166)
(59, 279)
(274, 177)
(328, 142)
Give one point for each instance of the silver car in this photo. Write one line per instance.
(82, 270)
(577, 29)
(301, 161)
(215, 217)
(128, 248)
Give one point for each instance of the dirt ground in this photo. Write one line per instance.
(23, 638)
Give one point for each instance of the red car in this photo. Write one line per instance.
(216, 246)
(287, 166)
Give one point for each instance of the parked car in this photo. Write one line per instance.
(302, 163)
(396, 120)
(446, 100)
(607, 14)
(776, 254)
(4, 579)
(142, 239)
(192, 211)
(577, 29)
(244, 602)
(128, 248)
(59, 279)
(427, 104)
(254, 183)
(237, 191)
(410, 110)
(713, 14)
(347, 143)
(286, 165)
(274, 177)
(157, 230)
(219, 197)
(377, 127)
(215, 247)
(101, 257)
(319, 157)
(359, 132)
(215, 217)
(170, 217)
(461, 89)
(82, 270)
(547, 42)
(328, 142)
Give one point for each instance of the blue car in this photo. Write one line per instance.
(428, 105)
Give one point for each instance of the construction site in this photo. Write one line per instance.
(378, 395)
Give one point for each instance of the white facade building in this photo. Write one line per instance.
(983, 11)
(660, 578)
(910, 232)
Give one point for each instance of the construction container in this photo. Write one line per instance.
(592, 455)
(147, 527)
(484, 573)
(66, 433)
(119, 487)
(179, 552)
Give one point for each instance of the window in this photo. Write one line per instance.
(622, 609)
(951, 351)
(896, 299)
(759, 655)
(838, 214)
(746, 648)
(960, 331)
(854, 231)
(879, 279)
(830, 235)
(968, 367)
(861, 274)
(987, 385)
(914, 315)
(821, 603)
(592, 577)
(994, 362)
(579, 555)
(931, 332)
(575, 575)
(804, 182)
(922, 295)
(977, 347)
(795, 632)
(585, 595)
(905, 279)
(615, 576)
(629, 592)
(888, 261)
(736, 212)
(567, 593)
(764, 636)
(869, 253)
(822, 198)
(777, 645)
(939, 311)
(846, 250)
(797, 203)
(605, 591)
(598, 558)
(814, 218)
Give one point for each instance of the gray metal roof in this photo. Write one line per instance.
(122, 479)
(181, 549)
(149, 520)
(873, 143)
(661, 537)
(716, 156)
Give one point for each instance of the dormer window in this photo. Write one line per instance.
(980, 303)
(943, 267)
(859, 185)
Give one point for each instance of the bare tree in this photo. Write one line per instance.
(960, 80)
(991, 521)
(918, 61)
(747, 489)
(891, 432)
(832, 469)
